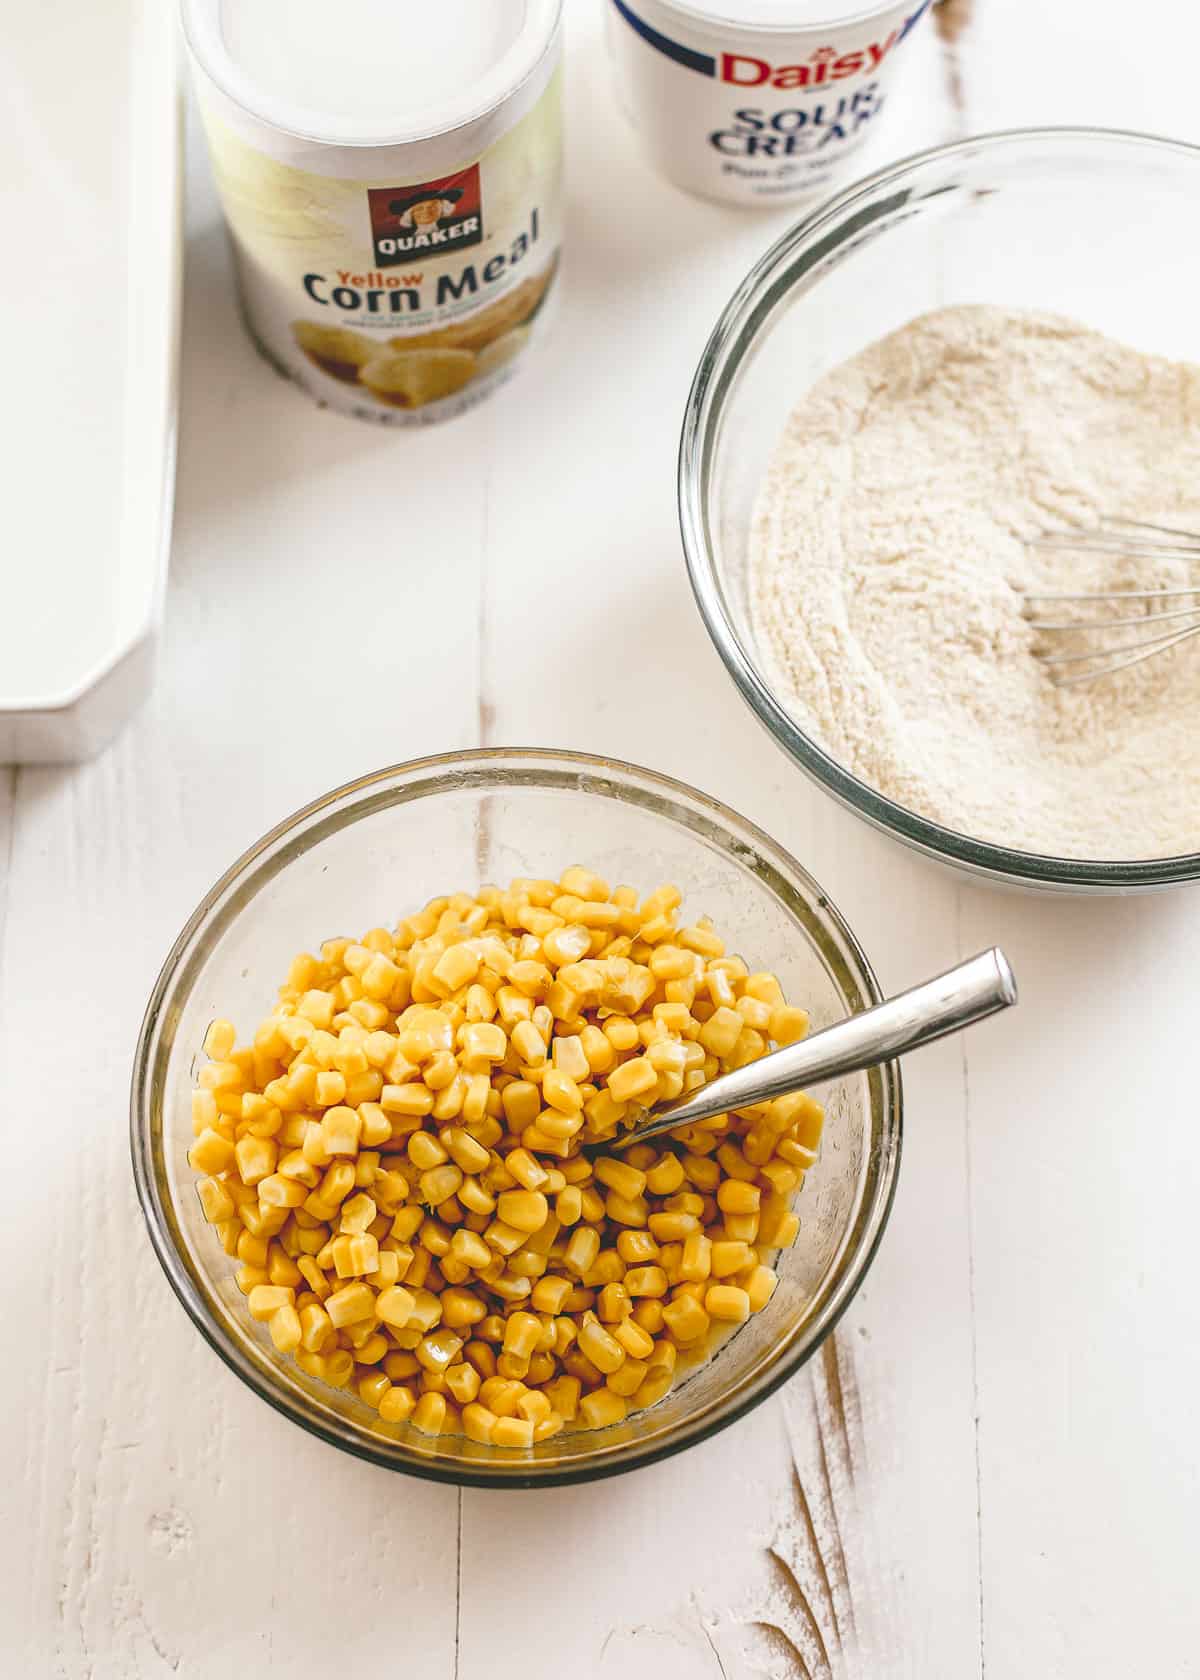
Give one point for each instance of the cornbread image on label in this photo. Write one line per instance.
(379, 274)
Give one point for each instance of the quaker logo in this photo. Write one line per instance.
(432, 219)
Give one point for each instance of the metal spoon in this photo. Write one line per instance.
(971, 992)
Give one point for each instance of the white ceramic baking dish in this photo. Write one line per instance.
(89, 305)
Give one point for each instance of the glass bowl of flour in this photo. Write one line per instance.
(986, 342)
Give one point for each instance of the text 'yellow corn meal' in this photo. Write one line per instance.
(395, 1160)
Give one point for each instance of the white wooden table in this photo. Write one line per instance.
(994, 1466)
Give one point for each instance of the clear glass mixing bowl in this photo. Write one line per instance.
(369, 852)
(1093, 224)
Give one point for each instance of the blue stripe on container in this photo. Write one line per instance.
(682, 55)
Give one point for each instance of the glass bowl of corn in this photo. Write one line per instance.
(361, 1157)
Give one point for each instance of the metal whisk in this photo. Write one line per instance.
(1138, 539)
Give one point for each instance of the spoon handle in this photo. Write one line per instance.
(966, 994)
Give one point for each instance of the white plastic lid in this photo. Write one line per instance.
(369, 72)
(783, 14)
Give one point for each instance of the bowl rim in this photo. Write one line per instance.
(742, 325)
(885, 1139)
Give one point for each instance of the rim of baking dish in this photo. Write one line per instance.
(713, 824)
(745, 321)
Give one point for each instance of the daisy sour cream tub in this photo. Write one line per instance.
(756, 101)
(391, 180)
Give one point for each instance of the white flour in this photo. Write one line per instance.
(889, 554)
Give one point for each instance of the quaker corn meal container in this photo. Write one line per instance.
(756, 102)
(391, 177)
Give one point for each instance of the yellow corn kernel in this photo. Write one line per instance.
(620, 1032)
(737, 1197)
(598, 1052)
(665, 1176)
(434, 1237)
(526, 1170)
(510, 1288)
(282, 1269)
(601, 1408)
(582, 1249)
(728, 1257)
(648, 1314)
(655, 1387)
(276, 1191)
(265, 1299)
(628, 1379)
(425, 1152)
(512, 1432)
(478, 1423)
(637, 1343)
(521, 1334)
(787, 1024)
(599, 1346)
(371, 1389)
(331, 1088)
(316, 1327)
(760, 1286)
(475, 1198)
(622, 1211)
(341, 1129)
(504, 1238)
(216, 1201)
(397, 1404)
(613, 1303)
(570, 1059)
(429, 1415)
(795, 1154)
(561, 1092)
(695, 1263)
(636, 1247)
(646, 1280)
(501, 1395)
(620, 1176)
(742, 1227)
(357, 1213)
(464, 1150)
(440, 1183)
(634, 1078)
(284, 1326)
(462, 1382)
(471, 1249)
(483, 1042)
(702, 1172)
(726, 1301)
(686, 1320)
(673, 1227)
(565, 945)
(461, 1308)
(456, 968)
(721, 1031)
(549, 1294)
(439, 1350)
(534, 1405)
(525, 1210)
(781, 1178)
(204, 1112)
(409, 1098)
(355, 1255)
(211, 1153)
(407, 1223)
(219, 1040)
(778, 1228)
(351, 1304)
